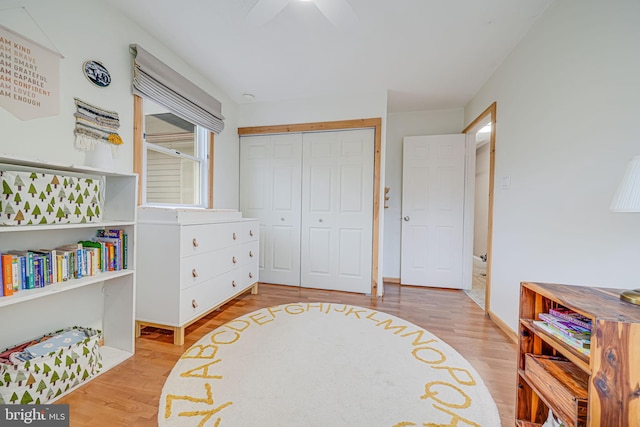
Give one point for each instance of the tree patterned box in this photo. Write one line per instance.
(46, 377)
(44, 198)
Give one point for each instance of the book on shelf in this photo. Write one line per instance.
(571, 316)
(17, 276)
(7, 274)
(113, 251)
(571, 329)
(99, 249)
(28, 278)
(117, 238)
(579, 345)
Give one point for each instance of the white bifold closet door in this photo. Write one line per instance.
(329, 245)
(270, 189)
(337, 210)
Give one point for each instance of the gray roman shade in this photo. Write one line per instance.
(154, 80)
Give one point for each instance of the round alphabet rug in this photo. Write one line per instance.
(323, 365)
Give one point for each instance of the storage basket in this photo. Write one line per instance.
(34, 197)
(49, 375)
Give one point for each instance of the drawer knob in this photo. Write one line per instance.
(194, 273)
(233, 283)
(251, 233)
(235, 236)
(250, 275)
(234, 260)
(251, 254)
(195, 242)
(194, 304)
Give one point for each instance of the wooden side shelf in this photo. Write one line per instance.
(595, 390)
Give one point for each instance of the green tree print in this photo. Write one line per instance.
(48, 189)
(54, 377)
(42, 386)
(6, 189)
(9, 210)
(33, 176)
(32, 190)
(60, 214)
(42, 196)
(18, 182)
(36, 211)
(26, 398)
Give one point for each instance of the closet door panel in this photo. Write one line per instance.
(337, 210)
(270, 169)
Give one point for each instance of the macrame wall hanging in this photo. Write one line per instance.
(95, 125)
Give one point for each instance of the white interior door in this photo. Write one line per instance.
(337, 210)
(433, 210)
(270, 189)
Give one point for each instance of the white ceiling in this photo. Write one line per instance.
(428, 54)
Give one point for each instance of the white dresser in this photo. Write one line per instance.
(190, 262)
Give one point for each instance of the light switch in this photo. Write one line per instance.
(506, 182)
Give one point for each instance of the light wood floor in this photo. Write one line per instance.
(128, 394)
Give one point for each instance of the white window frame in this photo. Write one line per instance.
(204, 157)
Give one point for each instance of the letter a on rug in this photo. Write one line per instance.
(323, 365)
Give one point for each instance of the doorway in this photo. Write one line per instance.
(481, 134)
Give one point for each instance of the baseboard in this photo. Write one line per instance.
(391, 280)
(510, 333)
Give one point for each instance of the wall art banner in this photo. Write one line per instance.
(29, 77)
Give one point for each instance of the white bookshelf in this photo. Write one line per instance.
(105, 301)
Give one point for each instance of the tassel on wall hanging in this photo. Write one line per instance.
(95, 125)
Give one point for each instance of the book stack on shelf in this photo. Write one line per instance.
(38, 268)
(570, 327)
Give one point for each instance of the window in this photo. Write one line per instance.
(173, 142)
(174, 164)
(175, 161)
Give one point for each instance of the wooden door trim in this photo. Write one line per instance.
(375, 123)
(489, 112)
(138, 142)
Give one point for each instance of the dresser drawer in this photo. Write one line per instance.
(201, 267)
(249, 231)
(197, 239)
(249, 252)
(199, 299)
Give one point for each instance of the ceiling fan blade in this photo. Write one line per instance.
(265, 10)
(338, 12)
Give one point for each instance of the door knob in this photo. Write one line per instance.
(406, 218)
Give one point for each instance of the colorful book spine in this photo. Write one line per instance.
(1, 280)
(7, 274)
(571, 316)
(37, 271)
(566, 327)
(578, 345)
(125, 250)
(15, 269)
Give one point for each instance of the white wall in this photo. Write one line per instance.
(400, 125)
(568, 102)
(90, 29)
(373, 105)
